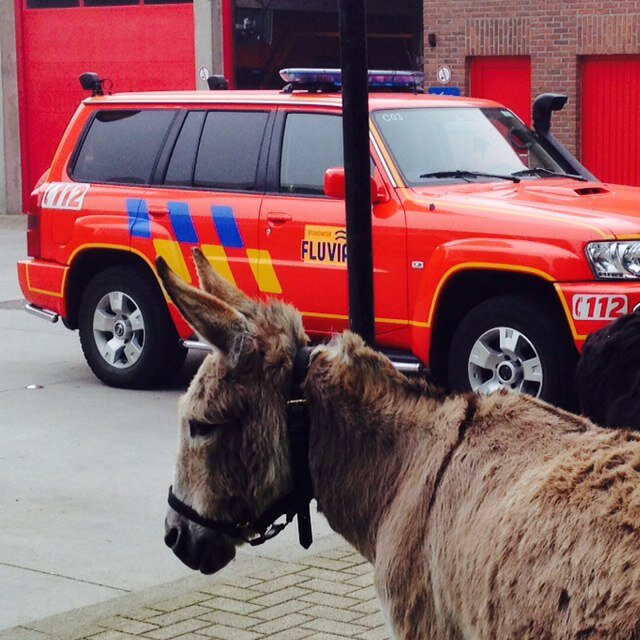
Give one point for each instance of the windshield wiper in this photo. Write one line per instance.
(466, 175)
(546, 172)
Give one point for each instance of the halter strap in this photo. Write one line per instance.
(260, 530)
(295, 503)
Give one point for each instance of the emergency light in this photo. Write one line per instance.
(90, 81)
(331, 80)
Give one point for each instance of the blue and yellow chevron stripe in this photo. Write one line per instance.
(185, 233)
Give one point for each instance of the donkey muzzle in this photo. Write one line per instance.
(199, 549)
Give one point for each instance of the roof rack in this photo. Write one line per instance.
(330, 80)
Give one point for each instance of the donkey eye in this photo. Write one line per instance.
(199, 428)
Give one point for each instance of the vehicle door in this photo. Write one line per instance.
(111, 168)
(207, 190)
(303, 232)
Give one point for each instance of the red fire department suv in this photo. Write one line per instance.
(495, 252)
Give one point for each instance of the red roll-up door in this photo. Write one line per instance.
(139, 47)
(610, 115)
(505, 79)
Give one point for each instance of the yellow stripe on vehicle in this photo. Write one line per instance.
(217, 258)
(492, 266)
(337, 316)
(386, 156)
(442, 203)
(263, 271)
(170, 251)
(54, 294)
(567, 311)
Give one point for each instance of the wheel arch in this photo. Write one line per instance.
(89, 263)
(466, 289)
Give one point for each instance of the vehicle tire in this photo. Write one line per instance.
(126, 332)
(518, 342)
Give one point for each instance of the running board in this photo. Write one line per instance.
(43, 314)
(402, 360)
(196, 345)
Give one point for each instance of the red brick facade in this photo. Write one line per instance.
(554, 34)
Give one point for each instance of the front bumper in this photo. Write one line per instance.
(590, 306)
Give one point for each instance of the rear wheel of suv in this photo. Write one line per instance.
(516, 342)
(126, 333)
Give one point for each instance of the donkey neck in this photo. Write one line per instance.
(369, 426)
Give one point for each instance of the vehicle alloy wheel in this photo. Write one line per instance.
(505, 357)
(519, 342)
(126, 332)
(118, 329)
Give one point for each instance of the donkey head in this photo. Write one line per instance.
(233, 455)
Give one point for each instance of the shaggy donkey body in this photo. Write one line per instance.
(493, 517)
(608, 374)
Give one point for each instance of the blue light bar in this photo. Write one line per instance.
(333, 77)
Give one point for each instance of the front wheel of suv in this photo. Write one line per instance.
(126, 333)
(516, 342)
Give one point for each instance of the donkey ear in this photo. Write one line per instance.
(213, 283)
(217, 322)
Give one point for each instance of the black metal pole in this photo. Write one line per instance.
(355, 130)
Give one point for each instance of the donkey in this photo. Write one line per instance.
(484, 517)
(607, 376)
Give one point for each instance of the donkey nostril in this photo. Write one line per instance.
(171, 537)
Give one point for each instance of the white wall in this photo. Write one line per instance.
(3, 173)
(208, 37)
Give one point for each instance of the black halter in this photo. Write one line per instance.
(295, 503)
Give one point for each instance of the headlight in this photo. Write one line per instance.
(617, 259)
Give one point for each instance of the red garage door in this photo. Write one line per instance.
(138, 46)
(505, 79)
(610, 115)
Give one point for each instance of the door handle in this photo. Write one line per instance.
(158, 210)
(278, 218)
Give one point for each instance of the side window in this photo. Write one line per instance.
(183, 159)
(122, 146)
(51, 4)
(229, 150)
(312, 143)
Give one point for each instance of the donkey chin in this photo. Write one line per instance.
(200, 549)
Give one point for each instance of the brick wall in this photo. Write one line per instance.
(554, 34)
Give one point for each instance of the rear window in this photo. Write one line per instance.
(122, 146)
(230, 149)
(183, 159)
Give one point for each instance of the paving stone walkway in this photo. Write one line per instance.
(323, 596)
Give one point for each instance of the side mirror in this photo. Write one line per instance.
(335, 181)
(379, 193)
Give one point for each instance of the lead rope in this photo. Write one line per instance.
(298, 428)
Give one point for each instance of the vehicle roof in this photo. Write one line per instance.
(376, 100)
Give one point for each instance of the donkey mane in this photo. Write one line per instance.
(607, 376)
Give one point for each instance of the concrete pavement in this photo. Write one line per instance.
(325, 593)
(84, 471)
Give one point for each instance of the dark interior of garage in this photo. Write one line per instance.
(274, 34)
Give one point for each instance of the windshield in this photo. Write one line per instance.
(444, 144)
